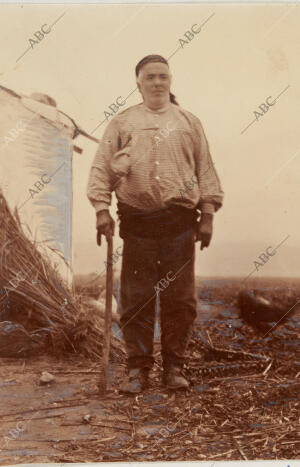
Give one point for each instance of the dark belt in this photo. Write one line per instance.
(157, 223)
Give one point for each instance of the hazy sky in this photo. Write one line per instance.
(243, 55)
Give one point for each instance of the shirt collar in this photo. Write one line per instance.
(162, 110)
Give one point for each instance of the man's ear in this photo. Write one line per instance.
(138, 85)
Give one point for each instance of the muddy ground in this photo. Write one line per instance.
(235, 410)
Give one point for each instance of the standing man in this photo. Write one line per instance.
(156, 158)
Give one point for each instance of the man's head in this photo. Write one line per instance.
(153, 78)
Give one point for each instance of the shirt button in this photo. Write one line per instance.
(157, 177)
(156, 162)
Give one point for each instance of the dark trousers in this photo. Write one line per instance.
(150, 265)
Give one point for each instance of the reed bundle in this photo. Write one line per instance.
(33, 294)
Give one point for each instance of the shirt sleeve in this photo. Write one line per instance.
(101, 179)
(210, 191)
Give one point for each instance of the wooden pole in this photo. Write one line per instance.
(108, 317)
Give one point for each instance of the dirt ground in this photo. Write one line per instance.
(230, 412)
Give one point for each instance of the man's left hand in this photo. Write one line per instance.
(205, 230)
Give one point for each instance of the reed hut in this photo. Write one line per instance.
(38, 306)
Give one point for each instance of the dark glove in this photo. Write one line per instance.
(105, 225)
(205, 230)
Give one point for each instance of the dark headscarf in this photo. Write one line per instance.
(151, 59)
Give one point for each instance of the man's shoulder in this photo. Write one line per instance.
(187, 114)
(131, 114)
(130, 111)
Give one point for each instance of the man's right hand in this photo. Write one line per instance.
(105, 225)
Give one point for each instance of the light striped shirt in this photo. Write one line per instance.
(155, 159)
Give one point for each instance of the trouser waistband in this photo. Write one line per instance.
(157, 223)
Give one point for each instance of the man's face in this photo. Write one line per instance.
(154, 82)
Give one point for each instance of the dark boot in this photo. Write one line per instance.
(173, 378)
(136, 381)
